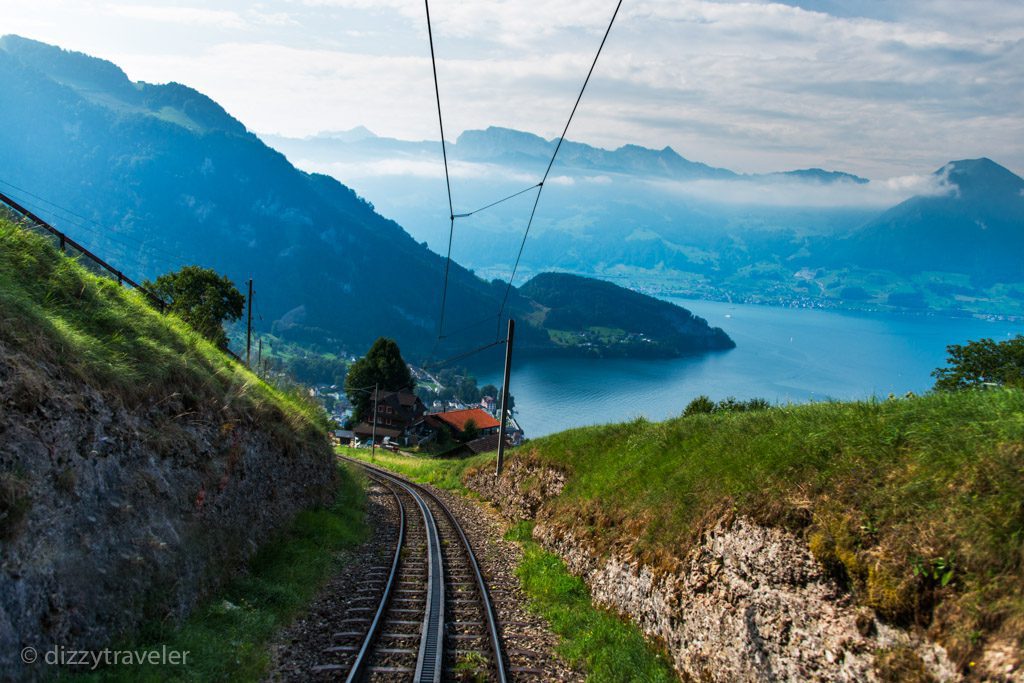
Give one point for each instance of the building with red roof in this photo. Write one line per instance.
(457, 421)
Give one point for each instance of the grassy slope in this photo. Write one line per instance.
(890, 495)
(112, 339)
(916, 504)
(606, 647)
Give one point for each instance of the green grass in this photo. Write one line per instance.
(595, 640)
(227, 638)
(445, 473)
(916, 504)
(114, 340)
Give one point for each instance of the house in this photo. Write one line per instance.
(490, 404)
(342, 437)
(399, 416)
(398, 409)
(457, 421)
(485, 444)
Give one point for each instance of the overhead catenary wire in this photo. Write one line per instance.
(465, 354)
(470, 326)
(551, 163)
(484, 208)
(447, 177)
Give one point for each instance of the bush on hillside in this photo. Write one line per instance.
(704, 405)
(982, 362)
(203, 298)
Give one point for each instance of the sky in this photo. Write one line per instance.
(875, 87)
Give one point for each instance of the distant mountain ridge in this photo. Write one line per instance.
(498, 145)
(976, 227)
(668, 224)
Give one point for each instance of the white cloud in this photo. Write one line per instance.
(782, 191)
(887, 89)
(180, 15)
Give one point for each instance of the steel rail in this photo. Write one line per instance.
(362, 659)
(429, 661)
(485, 596)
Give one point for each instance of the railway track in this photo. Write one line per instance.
(423, 612)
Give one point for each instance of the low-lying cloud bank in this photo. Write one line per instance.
(792, 192)
(768, 190)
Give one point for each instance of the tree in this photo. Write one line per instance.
(469, 430)
(202, 298)
(982, 362)
(382, 366)
(489, 390)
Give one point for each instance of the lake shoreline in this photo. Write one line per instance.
(785, 355)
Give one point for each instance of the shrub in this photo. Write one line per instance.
(700, 405)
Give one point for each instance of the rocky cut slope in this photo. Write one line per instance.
(878, 540)
(138, 464)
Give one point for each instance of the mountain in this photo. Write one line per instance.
(618, 321)
(513, 147)
(632, 212)
(821, 176)
(656, 221)
(159, 175)
(156, 176)
(516, 148)
(975, 228)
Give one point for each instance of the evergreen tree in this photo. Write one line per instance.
(383, 366)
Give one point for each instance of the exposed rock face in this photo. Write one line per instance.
(111, 514)
(522, 488)
(747, 603)
(750, 604)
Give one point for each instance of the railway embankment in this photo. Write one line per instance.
(139, 465)
(880, 540)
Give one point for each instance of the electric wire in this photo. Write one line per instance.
(447, 177)
(551, 163)
(484, 208)
(118, 246)
(451, 211)
(465, 354)
(87, 224)
(470, 326)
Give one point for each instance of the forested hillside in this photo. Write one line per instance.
(159, 175)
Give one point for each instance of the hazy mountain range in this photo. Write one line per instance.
(949, 239)
(156, 176)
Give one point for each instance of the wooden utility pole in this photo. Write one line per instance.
(248, 327)
(373, 433)
(259, 357)
(504, 396)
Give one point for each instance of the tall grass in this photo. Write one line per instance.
(114, 340)
(916, 504)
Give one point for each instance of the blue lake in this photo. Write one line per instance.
(782, 354)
